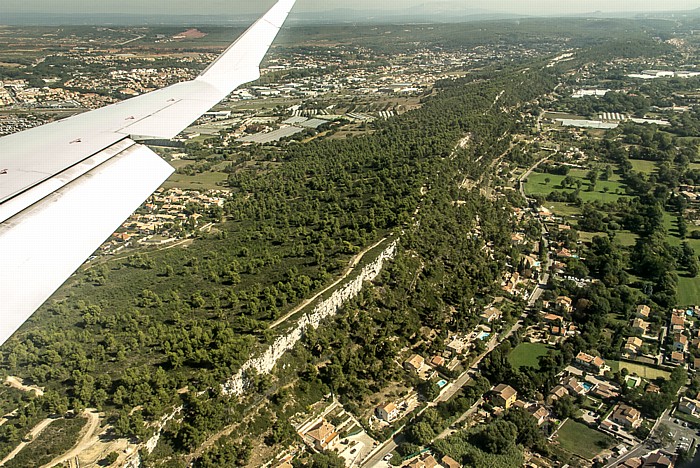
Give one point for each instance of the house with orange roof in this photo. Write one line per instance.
(323, 436)
(387, 412)
(593, 363)
(415, 363)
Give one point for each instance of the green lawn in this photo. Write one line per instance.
(565, 210)
(583, 173)
(626, 238)
(671, 225)
(583, 441)
(688, 290)
(641, 370)
(527, 354)
(645, 167)
(204, 181)
(179, 163)
(537, 184)
(587, 237)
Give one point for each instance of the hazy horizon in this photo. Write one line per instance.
(232, 7)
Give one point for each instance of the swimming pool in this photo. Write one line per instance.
(588, 386)
(483, 335)
(442, 383)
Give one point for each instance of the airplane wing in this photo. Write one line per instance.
(66, 186)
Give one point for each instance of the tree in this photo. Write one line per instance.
(529, 433)
(682, 227)
(109, 459)
(565, 407)
(607, 173)
(497, 437)
(321, 460)
(684, 456)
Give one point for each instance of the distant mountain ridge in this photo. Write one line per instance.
(449, 11)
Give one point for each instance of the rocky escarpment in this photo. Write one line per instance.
(324, 309)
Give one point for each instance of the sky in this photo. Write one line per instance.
(229, 7)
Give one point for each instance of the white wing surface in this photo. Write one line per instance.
(66, 186)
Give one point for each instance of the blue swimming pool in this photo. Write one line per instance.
(587, 385)
(442, 383)
(483, 335)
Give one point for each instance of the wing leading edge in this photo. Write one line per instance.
(71, 183)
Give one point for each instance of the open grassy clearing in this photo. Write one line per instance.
(527, 354)
(645, 167)
(641, 370)
(624, 238)
(617, 319)
(688, 290)
(566, 210)
(583, 441)
(205, 181)
(587, 237)
(539, 183)
(180, 163)
(671, 225)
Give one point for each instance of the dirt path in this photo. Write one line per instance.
(16, 382)
(33, 434)
(353, 263)
(9, 415)
(89, 437)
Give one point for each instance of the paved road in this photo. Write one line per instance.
(521, 181)
(449, 431)
(383, 450)
(678, 434)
